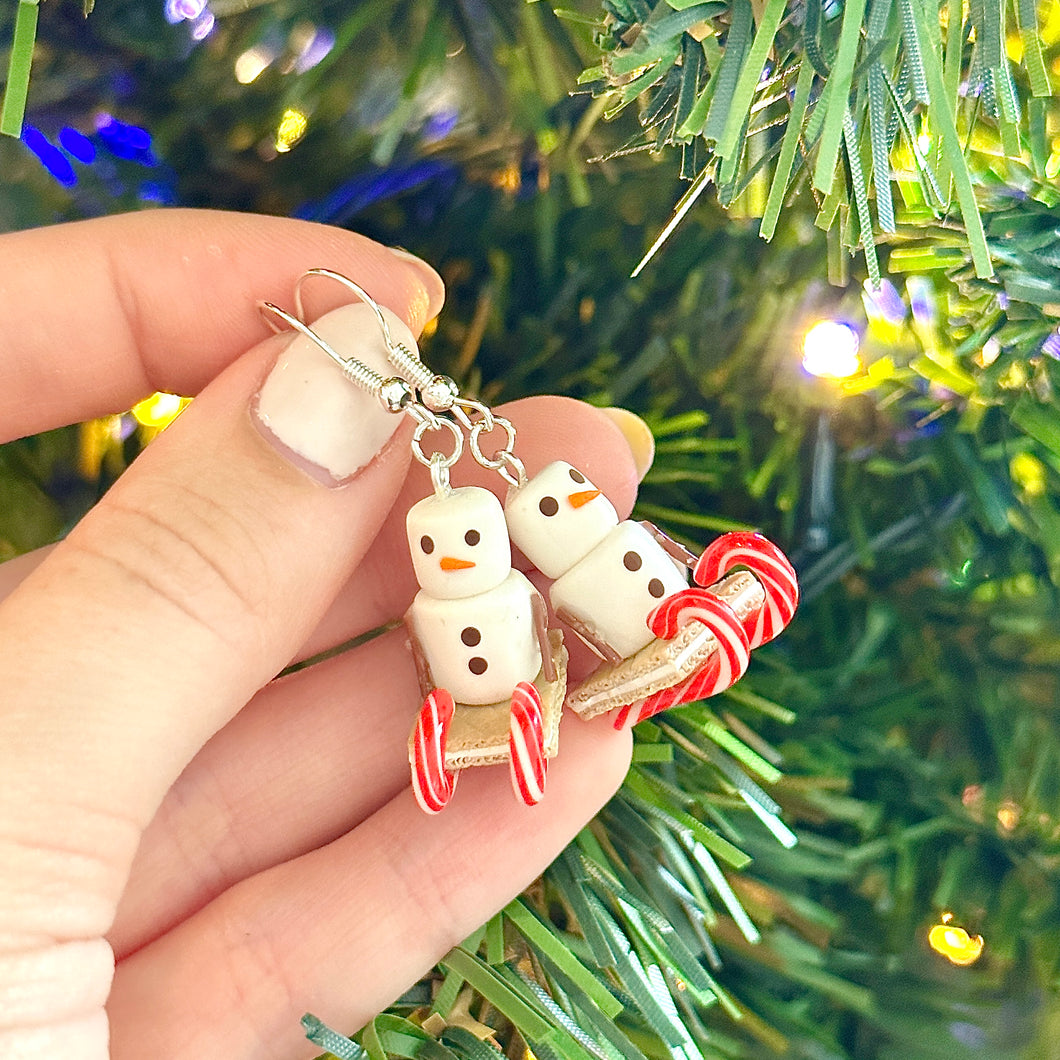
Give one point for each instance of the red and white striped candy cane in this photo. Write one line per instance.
(432, 784)
(720, 671)
(526, 744)
(768, 564)
(701, 605)
(702, 684)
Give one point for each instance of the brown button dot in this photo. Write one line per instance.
(470, 636)
(548, 506)
(655, 587)
(477, 665)
(577, 476)
(631, 561)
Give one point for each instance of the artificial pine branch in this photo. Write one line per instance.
(877, 78)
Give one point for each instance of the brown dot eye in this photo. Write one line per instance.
(426, 544)
(472, 537)
(631, 561)
(655, 587)
(470, 636)
(548, 506)
(577, 476)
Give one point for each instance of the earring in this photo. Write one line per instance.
(622, 587)
(493, 675)
(491, 670)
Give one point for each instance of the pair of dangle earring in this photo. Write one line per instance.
(492, 672)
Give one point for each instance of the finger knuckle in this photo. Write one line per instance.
(182, 551)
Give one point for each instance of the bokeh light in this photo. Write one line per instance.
(830, 350)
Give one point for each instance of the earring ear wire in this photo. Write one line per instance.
(433, 400)
(395, 395)
(436, 392)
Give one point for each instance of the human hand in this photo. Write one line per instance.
(245, 849)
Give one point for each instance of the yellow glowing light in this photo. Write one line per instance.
(509, 179)
(291, 129)
(159, 410)
(830, 349)
(954, 943)
(96, 439)
(1008, 815)
(252, 64)
(1029, 473)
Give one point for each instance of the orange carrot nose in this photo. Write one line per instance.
(451, 563)
(578, 499)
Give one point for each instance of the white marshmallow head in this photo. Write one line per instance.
(459, 543)
(558, 517)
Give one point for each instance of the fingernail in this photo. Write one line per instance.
(431, 280)
(312, 414)
(638, 436)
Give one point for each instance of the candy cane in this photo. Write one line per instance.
(432, 784)
(701, 605)
(768, 564)
(526, 744)
(702, 684)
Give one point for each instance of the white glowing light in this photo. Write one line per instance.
(830, 349)
(252, 63)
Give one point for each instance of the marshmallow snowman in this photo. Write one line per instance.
(609, 575)
(473, 618)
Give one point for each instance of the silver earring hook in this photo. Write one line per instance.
(395, 395)
(431, 399)
(436, 392)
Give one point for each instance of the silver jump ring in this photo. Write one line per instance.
(434, 424)
(516, 476)
(495, 462)
(460, 410)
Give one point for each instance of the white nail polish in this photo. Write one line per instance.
(317, 418)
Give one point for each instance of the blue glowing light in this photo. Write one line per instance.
(377, 185)
(316, 50)
(156, 191)
(77, 145)
(202, 27)
(883, 302)
(131, 142)
(440, 124)
(53, 160)
(1051, 346)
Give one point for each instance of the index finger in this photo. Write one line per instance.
(99, 313)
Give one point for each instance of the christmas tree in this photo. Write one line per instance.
(817, 247)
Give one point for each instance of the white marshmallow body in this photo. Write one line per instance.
(479, 647)
(615, 587)
(552, 522)
(473, 617)
(466, 526)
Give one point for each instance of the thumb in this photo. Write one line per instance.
(192, 582)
